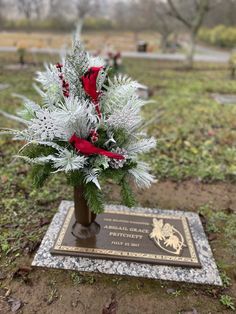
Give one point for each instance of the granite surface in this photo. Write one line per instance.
(225, 99)
(208, 274)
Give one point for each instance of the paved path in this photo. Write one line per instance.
(211, 55)
(211, 51)
(178, 57)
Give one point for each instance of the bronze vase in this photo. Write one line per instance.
(85, 225)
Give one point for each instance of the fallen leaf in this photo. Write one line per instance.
(23, 272)
(15, 304)
(4, 179)
(230, 210)
(8, 292)
(2, 276)
(110, 307)
(212, 236)
(44, 222)
(30, 247)
(215, 292)
(10, 226)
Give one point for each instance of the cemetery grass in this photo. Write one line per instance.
(194, 163)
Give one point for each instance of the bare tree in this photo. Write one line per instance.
(55, 8)
(165, 24)
(222, 12)
(120, 14)
(191, 14)
(83, 8)
(38, 8)
(26, 7)
(152, 14)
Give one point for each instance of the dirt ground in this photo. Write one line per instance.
(186, 195)
(53, 293)
(33, 290)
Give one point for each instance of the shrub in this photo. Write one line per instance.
(221, 36)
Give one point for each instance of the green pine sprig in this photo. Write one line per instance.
(94, 198)
(128, 198)
(40, 173)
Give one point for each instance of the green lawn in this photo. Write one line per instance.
(196, 136)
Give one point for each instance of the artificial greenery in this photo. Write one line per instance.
(117, 175)
(94, 198)
(75, 178)
(34, 151)
(39, 174)
(121, 136)
(87, 126)
(128, 198)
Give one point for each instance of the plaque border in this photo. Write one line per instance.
(58, 248)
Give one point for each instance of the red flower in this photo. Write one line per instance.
(89, 81)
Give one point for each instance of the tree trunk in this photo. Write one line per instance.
(164, 39)
(190, 56)
(85, 225)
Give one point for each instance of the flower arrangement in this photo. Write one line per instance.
(88, 126)
(114, 59)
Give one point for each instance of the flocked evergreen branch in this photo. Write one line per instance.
(91, 175)
(13, 117)
(87, 126)
(125, 115)
(141, 146)
(50, 82)
(142, 177)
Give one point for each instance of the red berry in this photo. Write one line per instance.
(94, 139)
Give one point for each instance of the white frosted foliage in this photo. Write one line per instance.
(86, 122)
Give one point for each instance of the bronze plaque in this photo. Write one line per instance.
(137, 237)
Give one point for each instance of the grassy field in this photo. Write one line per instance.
(197, 136)
(196, 142)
